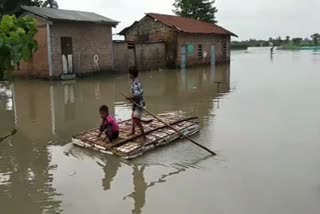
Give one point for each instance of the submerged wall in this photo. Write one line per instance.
(143, 56)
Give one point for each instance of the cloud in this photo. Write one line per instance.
(247, 18)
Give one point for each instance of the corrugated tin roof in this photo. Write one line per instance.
(189, 25)
(69, 15)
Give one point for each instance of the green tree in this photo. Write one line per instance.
(315, 38)
(203, 10)
(16, 42)
(11, 7)
(297, 41)
(287, 39)
(279, 39)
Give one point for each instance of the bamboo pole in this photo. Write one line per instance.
(12, 133)
(174, 129)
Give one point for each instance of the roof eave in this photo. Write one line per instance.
(113, 24)
(211, 33)
(35, 14)
(172, 27)
(125, 30)
(233, 34)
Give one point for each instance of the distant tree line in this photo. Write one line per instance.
(288, 42)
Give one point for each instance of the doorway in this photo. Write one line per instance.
(183, 57)
(213, 55)
(67, 55)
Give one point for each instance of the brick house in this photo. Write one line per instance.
(70, 43)
(187, 40)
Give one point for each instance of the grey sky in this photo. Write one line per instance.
(247, 18)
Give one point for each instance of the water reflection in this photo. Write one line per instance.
(53, 111)
(138, 177)
(25, 161)
(6, 109)
(110, 170)
(141, 186)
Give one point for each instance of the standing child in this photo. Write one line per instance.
(109, 125)
(136, 98)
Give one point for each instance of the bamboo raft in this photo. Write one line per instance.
(129, 147)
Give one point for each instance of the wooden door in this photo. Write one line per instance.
(213, 55)
(183, 57)
(67, 55)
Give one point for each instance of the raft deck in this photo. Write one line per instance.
(129, 147)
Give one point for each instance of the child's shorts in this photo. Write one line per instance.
(112, 135)
(137, 113)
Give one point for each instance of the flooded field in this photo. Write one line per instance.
(262, 119)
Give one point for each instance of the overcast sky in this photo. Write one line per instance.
(248, 18)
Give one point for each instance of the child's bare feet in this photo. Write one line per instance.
(106, 140)
(98, 136)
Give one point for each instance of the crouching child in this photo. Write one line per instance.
(109, 125)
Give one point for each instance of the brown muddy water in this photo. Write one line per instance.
(263, 121)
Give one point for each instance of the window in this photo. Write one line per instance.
(131, 45)
(190, 50)
(200, 52)
(66, 45)
(224, 50)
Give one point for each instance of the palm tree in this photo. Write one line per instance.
(287, 39)
(315, 38)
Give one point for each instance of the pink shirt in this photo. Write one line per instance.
(111, 121)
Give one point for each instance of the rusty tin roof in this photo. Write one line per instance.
(186, 25)
(189, 25)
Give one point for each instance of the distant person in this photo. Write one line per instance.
(136, 98)
(272, 48)
(109, 126)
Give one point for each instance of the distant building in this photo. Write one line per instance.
(141, 55)
(186, 39)
(70, 43)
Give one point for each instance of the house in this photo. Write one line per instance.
(187, 40)
(70, 43)
(141, 55)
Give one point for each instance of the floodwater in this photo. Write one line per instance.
(262, 120)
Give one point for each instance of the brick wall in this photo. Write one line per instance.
(206, 41)
(88, 40)
(38, 65)
(150, 56)
(149, 30)
(120, 50)
(145, 56)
